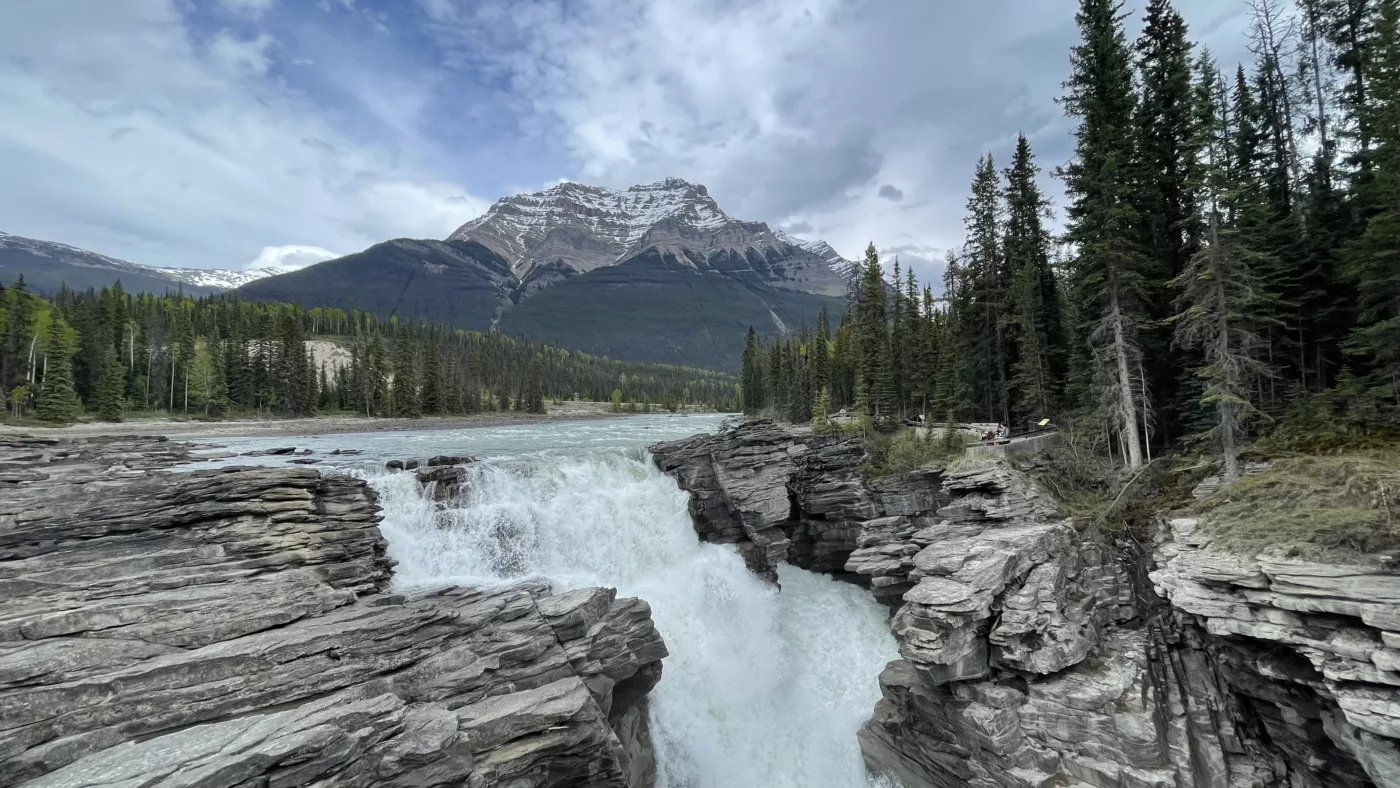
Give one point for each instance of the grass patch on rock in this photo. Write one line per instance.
(1340, 505)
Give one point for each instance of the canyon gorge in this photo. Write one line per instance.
(173, 616)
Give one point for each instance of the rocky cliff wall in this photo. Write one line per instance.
(236, 627)
(1032, 656)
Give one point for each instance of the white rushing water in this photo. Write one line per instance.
(761, 690)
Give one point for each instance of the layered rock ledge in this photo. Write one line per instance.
(1033, 656)
(237, 627)
(1311, 648)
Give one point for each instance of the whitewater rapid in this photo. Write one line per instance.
(762, 689)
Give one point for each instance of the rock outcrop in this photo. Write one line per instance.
(775, 494)
(1033, 656)
(237, 627)
(1311, 648)
(442, 478)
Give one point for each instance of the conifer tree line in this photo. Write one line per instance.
(110, 353)
(1230, 250)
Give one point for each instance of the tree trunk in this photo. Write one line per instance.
(1127, 404)
(1313, 35)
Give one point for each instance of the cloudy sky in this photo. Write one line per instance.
(223, 133)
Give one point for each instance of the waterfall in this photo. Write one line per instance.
(762, 689)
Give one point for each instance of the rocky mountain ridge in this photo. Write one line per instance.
(572, 228)
(1033, 656)
(237, 627)
(655, 273)
(48, 264)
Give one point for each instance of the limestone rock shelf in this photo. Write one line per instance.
(236, 627)
(1032, 656)
(1312, 648)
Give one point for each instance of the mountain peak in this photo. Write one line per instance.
(571, 228)
(671, 184)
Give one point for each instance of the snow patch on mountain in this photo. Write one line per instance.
(219, 278)
(618, 218)
(211, 278)
(578, 227)
(846, 269)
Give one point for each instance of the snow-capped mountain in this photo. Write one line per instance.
(571, 229)
(219, 278)
(848, 270)
(46, 265)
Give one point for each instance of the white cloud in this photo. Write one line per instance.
(795, 111)
(130, 134)
(240, 56)
(249, 8)
(291, 257)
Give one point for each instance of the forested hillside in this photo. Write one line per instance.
(1231, 253)
(112, 353)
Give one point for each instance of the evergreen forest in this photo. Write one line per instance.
(1228, 259)
(111, 354)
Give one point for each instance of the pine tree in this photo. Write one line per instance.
(752, 375)
(1037, 378)
(821, 412)
(371, 371)
(873, 346)
(58, 401)
(926, 353)
(820, 354)
(1164, 119)
(236, 372)
(1108, 275)
(1165, 160)
(292, 375)
(217, 402)
(533, 397)
(774, 385)
(1350, 26)
(1222, 299)
(182, 357)
(949, 398)
(911, 385)
(16, 349)
(844, 361)
(984, 298)
(897, 324)
(404, 392)
(1373, 259)
(434, 383)
(110, 390)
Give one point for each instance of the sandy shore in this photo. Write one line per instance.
(320, 425)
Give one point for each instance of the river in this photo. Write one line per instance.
(762, 689)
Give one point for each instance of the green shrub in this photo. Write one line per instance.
(903, 451)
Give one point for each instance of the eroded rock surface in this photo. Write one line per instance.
(1312, 648)
(1032, 656)
(442, 478)
(779, 495)
(236, 627)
